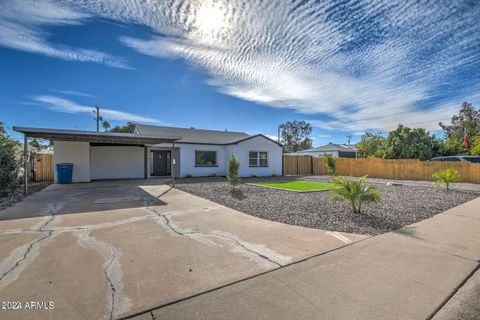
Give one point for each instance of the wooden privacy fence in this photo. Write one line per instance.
(409, 169)
(43, 167)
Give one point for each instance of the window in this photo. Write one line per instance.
(258, 159)
(205, 158)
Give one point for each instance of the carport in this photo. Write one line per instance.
(98, 155)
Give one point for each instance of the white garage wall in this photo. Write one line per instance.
(115, 162)
(77, 153)
(259, 143)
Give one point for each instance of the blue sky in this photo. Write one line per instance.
(346, 67)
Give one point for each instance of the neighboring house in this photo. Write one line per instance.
(337, 150)
(153, 151)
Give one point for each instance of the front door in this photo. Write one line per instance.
(161, 161)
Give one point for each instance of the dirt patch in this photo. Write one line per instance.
(17, 195)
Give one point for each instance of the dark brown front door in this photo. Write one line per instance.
(161, 161)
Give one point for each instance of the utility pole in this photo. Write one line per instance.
(349, 137)
(429, 147)
(97, 117)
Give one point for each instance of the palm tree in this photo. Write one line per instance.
(106, 125)
(355, 192)
(445, 177)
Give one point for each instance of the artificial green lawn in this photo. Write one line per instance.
(299, 185)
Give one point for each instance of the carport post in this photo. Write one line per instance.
(173, 164)
(25, 164)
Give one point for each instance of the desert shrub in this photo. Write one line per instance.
(233, 171)
(355, 192)
(445, 177)
(331, 163)
(9, 163)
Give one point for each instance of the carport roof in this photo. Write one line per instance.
(96, 137)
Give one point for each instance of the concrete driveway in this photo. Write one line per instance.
(110, 249)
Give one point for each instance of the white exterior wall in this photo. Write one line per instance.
(187, 160)
(117, 162)
(242, 150)
(124, 162)
(77, 153)
(318, 153)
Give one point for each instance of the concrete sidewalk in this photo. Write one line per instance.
(408, 274)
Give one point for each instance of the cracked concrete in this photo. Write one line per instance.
(19, 259)
(106, 259)
(255, 252)
(117, 302)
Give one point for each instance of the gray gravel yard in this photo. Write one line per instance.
(401, 205)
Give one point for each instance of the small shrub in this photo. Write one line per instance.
(355, 192)
(273, 175)
(331, 163)
(212, 175)
(233, 171)
(253, 176)
(189, 176)
(445, 177)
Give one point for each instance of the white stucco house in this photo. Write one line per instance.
(158, 151)
(336, 150)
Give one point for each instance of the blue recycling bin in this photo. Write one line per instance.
(64, 173)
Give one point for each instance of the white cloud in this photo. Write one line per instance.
(23, 25)
(73, 93)
(67, 106)
(364, 64)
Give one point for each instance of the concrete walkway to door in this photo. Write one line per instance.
(412, 273)
(108, 249)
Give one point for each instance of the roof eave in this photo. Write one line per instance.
(97, 137)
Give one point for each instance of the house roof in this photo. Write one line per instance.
(192, 135)
(331, 147)
(96, 137)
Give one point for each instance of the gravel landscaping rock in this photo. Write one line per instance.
(401, 205)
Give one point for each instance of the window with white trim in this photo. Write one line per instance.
(258, 159)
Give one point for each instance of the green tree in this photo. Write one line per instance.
(128, 128)
(294, 136)
(452, 146)
(468, 118)
(331, 163)
(372, 144)
(355, 192)
(475, 150)
(233, 171)
(406, 143)
(106, 125)
(445, 177)
(9, 162)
